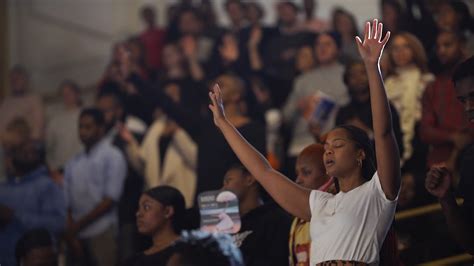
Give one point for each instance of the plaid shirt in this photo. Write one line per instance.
(443, 115)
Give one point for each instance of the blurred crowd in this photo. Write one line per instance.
(96, 182)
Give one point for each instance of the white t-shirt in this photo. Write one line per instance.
(350, 226)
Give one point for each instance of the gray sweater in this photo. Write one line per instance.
(327, 79)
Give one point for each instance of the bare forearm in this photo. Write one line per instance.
(255, 59)
(458, 224)
(382, 118)
(290, 196)
(196, 70)
(386, 148)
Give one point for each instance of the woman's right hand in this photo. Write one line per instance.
(217, 105)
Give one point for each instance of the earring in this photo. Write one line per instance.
(359, 162)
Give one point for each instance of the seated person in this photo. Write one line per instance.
(160, 216)
(263, 236)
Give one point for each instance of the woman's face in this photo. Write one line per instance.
(253, 14)
(340, 153)
(305, 59)
(402, 54)
(308, 172)
(390, 16)
(326, 49)
(151, 215)
(446, 18)
(172, 56)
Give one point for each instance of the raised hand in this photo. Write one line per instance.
(217, 106)
(124, 133)
(255, 37)
(370, 49)
(438, 181)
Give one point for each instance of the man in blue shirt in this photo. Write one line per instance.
(93, 181)
(28, 199)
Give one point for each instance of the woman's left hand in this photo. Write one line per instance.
(217, 105)
(370, 49)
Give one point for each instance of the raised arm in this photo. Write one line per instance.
(292, 197)
(386, 149)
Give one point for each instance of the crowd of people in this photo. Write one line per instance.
(117, 182)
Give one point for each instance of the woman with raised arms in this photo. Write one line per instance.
(350, 226)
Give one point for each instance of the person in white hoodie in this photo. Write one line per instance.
(166, 156)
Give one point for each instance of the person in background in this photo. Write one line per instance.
(211, 145)
(28, 199)
(205, 10)
(345, 24)
(138, 57)
(111, 106)
(439, 181)
(263, 236)
(325, 78)
(16, 132)
(153, 38)
(160, 215)
(311, 23)
(444, 126)
(123, 79)
(311, 174)
(62, 138)
(182, 73)
(254, 38)
(405, 86)
(455, 16)
(94, 181)
(280, 53)
(166, 156)
(254, 13)
(190, 23)
(196, 248)
(393, 16)
(305, 59)
(373, 190)
(358, 112)
(22, 103)
(235, 10)
(36, 248)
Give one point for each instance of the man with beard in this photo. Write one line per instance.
(443, 124)
(29, 199)
(460, 219)
(93, 182)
